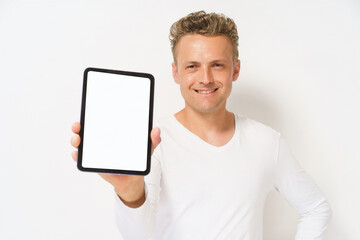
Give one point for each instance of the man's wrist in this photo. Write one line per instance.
(134, 199)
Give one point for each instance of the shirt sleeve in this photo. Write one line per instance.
(138, 223)
(303, 194)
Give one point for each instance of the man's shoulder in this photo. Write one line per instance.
(253, 126)
(164, 121)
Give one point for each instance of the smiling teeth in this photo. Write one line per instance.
(208, 91)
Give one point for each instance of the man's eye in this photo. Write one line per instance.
(218, 65)
(191, 66)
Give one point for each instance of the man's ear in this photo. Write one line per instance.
(175, 73)
(236, 70)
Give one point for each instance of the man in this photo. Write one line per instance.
(213, 169)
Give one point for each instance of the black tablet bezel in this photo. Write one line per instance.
(83, 125)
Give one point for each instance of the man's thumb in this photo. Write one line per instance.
(155, 138)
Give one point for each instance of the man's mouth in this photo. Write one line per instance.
(206, 91)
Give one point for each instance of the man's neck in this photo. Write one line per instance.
(216, 128)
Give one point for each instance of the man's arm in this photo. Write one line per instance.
(138, 223)
(303, 194)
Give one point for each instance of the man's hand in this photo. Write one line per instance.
(130, 189)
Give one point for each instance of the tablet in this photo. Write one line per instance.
(116, 121)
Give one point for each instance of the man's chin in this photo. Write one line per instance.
(206, 109)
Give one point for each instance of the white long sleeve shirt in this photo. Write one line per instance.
(199, 191)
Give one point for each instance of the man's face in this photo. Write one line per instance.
(205, 71)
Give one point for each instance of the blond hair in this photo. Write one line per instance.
(207, 24)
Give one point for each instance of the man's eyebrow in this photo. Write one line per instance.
(190, 62)
(213, 61)
(220, 60)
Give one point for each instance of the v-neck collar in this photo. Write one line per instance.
(191, 136)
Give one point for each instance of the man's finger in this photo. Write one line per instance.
(74, 155)
(76, 127)
(75, 141)
(155, 138)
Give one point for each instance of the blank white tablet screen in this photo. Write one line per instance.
(116, 122)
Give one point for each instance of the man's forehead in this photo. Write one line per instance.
(204, 38)
(195, 47)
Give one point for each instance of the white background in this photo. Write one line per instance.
(300, 75)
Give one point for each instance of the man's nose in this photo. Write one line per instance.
(207, 77)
